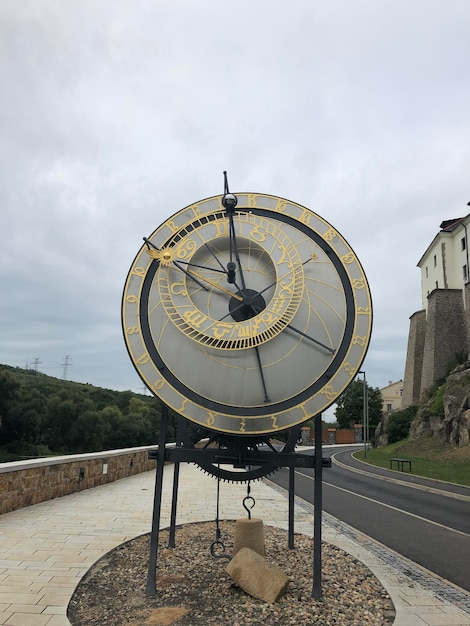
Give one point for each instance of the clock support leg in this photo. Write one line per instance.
(151, 588)
(174, 502)
(176, 476)
(291, 507)
(317, 511)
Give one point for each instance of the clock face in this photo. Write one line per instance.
(246, 320)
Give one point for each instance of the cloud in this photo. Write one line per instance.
(116, 115)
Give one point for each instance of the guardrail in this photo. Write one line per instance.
(23, 483)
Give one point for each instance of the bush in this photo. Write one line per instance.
(399, 424)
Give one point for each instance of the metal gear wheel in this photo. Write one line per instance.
(239, 447)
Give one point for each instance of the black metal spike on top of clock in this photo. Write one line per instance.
(229, 200)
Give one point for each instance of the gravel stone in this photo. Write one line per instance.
(193, 588)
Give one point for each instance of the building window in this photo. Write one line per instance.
(435, 261)
(426, 271)
(437, 285)
(464, 243)
(465, 273)
(389, 407)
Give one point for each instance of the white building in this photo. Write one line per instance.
(439, 337)
(445, 264)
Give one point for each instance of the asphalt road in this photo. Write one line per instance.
(424, 520)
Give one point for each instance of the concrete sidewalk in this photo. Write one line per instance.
(48, 547)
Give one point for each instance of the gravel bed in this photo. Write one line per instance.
(194, 589)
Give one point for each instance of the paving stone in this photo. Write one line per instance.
(49, 546)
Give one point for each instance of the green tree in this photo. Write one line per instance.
(399, 422)
(21, 425)
(21, 422)
(9, 387)
(350, 406)
(60, 418)
(89, 432)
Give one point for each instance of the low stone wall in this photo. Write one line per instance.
(23, 483)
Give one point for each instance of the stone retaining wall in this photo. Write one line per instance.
(23, 483)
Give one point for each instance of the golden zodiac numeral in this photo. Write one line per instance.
(348, 368)
(305, 217)
(329, 235)
(210, 419)
(195, 209)
(287, 287)
(158, 384)
(172, 226)
(258, 235)
(281, 206)
(242, 425)
(287, 253)
(360, 341)
(140, 271)
(143, 359)
(274, 425)
(278, 304)
(265, 318)
(186, 248)
(132, 330)
(304, 411)
(131, 299)
(221, 329)
(194, 318)
(284, 255)
(358, 283)
(243, 331)
(221, 228)
(329, 392)
(183, 406)
(179, 288)
(252, 200)
(348, 258)
(364, 310)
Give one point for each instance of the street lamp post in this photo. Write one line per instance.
(365, 413)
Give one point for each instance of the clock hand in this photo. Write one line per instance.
(231, 267)
(312, 257)
(230, 201)
(193, 273)
(260, 369)
(203, 267)
(318, 343)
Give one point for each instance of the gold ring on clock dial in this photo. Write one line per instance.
(252, 334)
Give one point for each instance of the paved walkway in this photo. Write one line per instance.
(45, 549)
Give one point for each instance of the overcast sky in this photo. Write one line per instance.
(115, 114)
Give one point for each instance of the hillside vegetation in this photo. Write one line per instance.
(42, 415)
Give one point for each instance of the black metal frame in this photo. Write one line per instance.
(276, 460)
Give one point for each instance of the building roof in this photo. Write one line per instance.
(449, 225)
